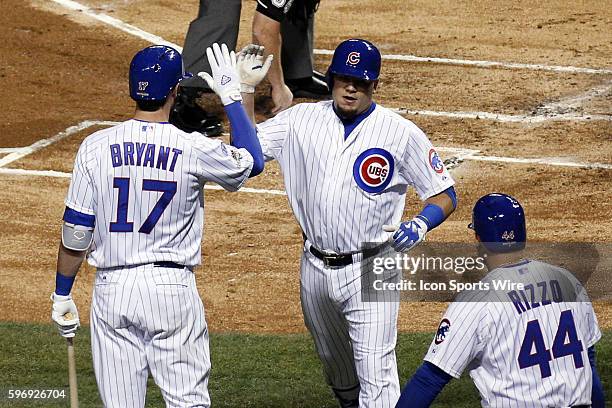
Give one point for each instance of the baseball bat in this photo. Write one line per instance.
(72, 380)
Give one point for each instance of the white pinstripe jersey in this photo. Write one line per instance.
(522, 351)
(143, 183)
(343, 191)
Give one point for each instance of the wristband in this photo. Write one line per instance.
(433, 216)
(63, 284)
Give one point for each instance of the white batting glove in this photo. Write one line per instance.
(65, 315)
(407, 235)
(224, 80)
(251, 67)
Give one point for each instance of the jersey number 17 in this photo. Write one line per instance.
(168, 190)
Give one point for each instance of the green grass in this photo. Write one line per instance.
(248, 370)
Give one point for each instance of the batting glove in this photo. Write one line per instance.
(224, 80)
(251, 67)
(65, 315)
(408, 234)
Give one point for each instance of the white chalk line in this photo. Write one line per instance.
(137, 32)
(486, 64)
(500, 117)
(24, 151)
(114, 22)
(61, 174)
(459, 154)
(567, 105)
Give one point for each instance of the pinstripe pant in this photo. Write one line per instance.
(354, 336)
(149, 318)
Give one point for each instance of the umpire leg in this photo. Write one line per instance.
(297, 48)
(329, 330)
(218, 21)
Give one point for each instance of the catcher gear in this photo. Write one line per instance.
(65, 315)
(499, 221)
(188, 116)
(355, 58)
(154, 72)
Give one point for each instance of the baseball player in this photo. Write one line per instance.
(347, 165)
(135, 206)
(532, 347)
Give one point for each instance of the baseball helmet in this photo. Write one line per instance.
(355, 58)
(154, 71)
(499, 221)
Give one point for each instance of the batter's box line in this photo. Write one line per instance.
(138, 32)
(7, 150)
(544, 116)
(500, 117)
(458, 155)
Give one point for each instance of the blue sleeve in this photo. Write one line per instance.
(452, 194)
(423, 387)
(244, 135)
(598, 399)
(78, 218)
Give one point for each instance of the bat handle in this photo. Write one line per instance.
(74, 396)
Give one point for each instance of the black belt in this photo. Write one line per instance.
(340, 260)
(167, 264)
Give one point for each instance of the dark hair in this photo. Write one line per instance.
(150, 106)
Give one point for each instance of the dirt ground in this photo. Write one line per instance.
(60, 68)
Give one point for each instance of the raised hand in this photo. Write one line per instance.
(251, 67)
(225, 80)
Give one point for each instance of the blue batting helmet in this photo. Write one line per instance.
(355, 58)
(499, 221)
(154, 71)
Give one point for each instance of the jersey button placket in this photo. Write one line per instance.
(330, 184)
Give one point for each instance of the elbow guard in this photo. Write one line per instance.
(76, 237)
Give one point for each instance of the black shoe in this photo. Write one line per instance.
(312, 88)
(320, 76)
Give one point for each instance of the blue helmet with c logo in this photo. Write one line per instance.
(355, 58)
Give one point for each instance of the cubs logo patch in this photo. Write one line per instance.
(142, 86)
(279, 3)
(353, 58)
(443, 329)
(373, 170)
(435, 162)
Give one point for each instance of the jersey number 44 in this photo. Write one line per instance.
(566, 343)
